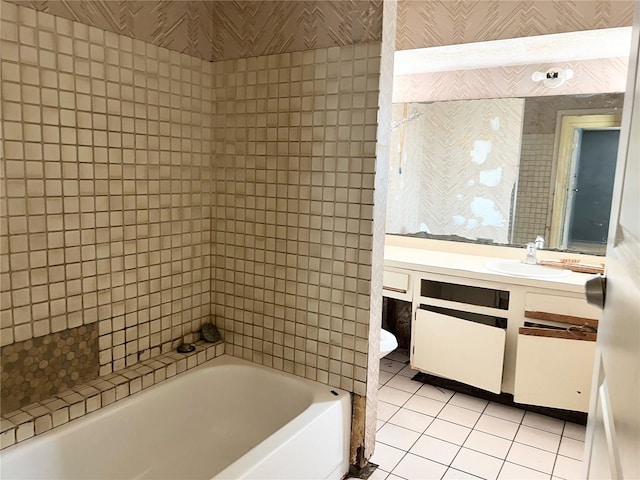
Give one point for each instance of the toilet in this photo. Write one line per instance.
(388, 342)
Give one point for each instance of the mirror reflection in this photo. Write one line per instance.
(506, 170)
(504, 141)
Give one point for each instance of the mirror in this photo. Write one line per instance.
(466, 165)
(487, 170)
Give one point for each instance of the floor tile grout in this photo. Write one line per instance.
(423, 432)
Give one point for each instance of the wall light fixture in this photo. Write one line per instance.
(552, 78)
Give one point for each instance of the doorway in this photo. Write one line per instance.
(586, 159)
(591, 190)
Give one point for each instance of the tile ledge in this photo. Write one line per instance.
(40, 417)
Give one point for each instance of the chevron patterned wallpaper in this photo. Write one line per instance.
(459, 161)
(251, 28)
(184, 26)
(590, 76)
(432, 23)
(221, 30)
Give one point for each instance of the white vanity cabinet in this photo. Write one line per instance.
(462, 350)
(499, 333)
(459, 330)
(555, 352)
(554, 371)
(396, 284)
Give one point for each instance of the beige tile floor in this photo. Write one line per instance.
(425, 432)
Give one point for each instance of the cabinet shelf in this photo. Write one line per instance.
(489, 320)
(454, 292)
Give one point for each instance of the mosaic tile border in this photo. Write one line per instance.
(40, 417)
(37, 368)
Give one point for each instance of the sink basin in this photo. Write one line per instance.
(516, 268)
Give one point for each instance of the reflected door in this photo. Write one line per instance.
(590, 197)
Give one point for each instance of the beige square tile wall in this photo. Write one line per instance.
(106, 191)
(534, 185)
(113, 212)
(293, 195)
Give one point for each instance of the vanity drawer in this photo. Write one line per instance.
(395, 281)
(396, 284)
(554, 370)
(561, 304)
(461, 350)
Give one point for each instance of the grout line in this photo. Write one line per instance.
(406, 452)
(509, 449)
(555, 460)
(468, 435)
(472, 429)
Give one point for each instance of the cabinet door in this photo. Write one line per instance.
(554, 372)
(460, 350)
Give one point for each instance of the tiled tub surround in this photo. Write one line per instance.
(105, 197)
(41, 367)
(534, 184)
(108, 179)
(69, 405)
(293, 209)
(122, 158)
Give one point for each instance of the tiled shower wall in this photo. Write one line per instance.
(109, 191)
(106, 189)
(534, 185)
(292, 229)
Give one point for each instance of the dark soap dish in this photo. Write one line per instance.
(186, 348)
(210, 333)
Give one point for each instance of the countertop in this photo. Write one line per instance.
(472, 266)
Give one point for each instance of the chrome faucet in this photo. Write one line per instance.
(532, 247)
(531, 259)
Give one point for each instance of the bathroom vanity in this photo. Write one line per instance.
(532, 337)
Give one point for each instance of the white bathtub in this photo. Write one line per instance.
(226, 419)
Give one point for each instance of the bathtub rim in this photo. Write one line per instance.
(320, 394)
